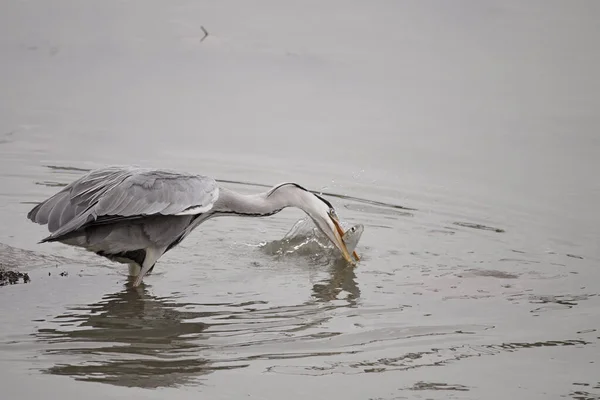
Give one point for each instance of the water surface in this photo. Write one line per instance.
(464, 137)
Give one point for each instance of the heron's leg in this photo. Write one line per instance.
(152, 255)
(134, 269)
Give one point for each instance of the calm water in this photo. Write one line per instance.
(464, 137)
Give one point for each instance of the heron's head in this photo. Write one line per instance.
(320, 211)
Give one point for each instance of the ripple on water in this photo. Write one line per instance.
(479, 226)
(13, 257)
(491, 273)
(378, 210)
(421, 359)
(438, 386)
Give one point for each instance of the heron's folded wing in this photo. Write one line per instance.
(77, 197)
(116, 193)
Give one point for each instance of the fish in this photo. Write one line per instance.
(351, 238)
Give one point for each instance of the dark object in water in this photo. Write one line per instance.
(479, 226)
(8, 277)
(574, 256)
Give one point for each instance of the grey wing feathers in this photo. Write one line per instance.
(115, 193)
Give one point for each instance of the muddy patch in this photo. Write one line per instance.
(11, 277)
(14, 262)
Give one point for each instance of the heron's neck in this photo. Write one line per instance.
(252, 205)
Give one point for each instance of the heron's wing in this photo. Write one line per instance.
(117, 193)
(77, 197)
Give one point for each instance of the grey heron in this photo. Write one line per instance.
(134, 215)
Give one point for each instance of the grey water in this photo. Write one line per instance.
(463, 135)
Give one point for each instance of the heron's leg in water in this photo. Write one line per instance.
(152, 255)
(134, 269)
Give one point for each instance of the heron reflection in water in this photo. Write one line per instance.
(135, 339)
(341, 279)
(132, 338)
(135, 215)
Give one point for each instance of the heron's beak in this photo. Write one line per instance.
(339, 232)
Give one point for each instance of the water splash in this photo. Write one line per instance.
(306, 240)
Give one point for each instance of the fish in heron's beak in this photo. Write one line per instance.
(324, 216)
(339, 242)
(352, 237)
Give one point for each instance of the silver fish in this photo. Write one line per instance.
(351, 238)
